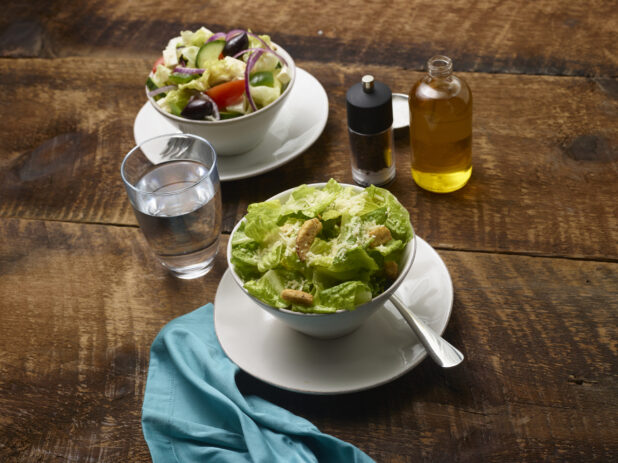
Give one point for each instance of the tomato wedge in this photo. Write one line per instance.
(228, 93)
(157, 62)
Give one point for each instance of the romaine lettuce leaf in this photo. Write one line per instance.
(271, 258)
(353, 260)
(261, 220)
(245, 261)
(306, 201)
(269, 286)
(398, 218)
(346, 296)
(390, 248)
(240, 238)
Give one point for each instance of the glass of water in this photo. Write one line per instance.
(173, 185)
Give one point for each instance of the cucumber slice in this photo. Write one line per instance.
(209, 52)
(150, 84)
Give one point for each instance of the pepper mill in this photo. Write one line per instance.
(370, 129)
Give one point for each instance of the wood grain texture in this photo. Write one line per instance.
(557, 37)
(539, 336)
(531, 242)
(75, 339)
(545, 154)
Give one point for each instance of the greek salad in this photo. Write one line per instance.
(210, 76)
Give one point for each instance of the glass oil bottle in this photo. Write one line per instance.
(441, 128)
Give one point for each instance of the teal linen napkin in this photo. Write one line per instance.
(194, 412)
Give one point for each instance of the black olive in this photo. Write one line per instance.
(197, 109)
(236, 44)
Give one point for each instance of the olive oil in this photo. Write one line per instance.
(441, 128)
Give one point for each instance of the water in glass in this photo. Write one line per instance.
(180, 216)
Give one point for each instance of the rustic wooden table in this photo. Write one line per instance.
(531, 241)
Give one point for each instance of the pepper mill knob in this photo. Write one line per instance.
(367, 83)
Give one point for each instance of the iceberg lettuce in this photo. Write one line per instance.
(174, 101)
(225, 70)
(197, 38)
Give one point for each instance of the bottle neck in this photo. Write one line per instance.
(440, 66)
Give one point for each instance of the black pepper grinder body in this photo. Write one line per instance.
(370, 129)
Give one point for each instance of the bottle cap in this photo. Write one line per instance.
(369, 106)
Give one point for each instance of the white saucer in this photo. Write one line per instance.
(299, 123)
(401, 111)
(381, 350)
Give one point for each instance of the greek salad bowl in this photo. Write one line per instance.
(236, 130)
(321, 324)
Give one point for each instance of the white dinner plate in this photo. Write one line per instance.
(381, 350)
(299, 123)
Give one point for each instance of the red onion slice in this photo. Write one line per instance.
(263, 50)
(232, 33)
(184, 70)
(159, 90)
(281, 58)
(216, 36)
(250, 63)
(240, 53)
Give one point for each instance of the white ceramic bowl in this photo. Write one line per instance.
(330, 325)
(240, 134)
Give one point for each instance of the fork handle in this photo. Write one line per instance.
(443, 353)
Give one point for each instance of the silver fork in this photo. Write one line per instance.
(440, 350)
(175, 148)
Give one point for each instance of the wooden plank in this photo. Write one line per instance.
(81, 306)
(545, 155)
(557, 37)
(83, 302)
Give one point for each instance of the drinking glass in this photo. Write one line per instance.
(173, 185)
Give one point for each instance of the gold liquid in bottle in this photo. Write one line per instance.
(441, 128)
